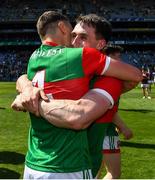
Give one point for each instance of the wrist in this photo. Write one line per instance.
(122, 129)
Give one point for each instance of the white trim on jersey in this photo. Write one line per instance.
(106, 94)
(108, 59)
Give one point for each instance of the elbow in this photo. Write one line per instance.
(138, 76)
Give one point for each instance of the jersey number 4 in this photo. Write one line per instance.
(38, 81)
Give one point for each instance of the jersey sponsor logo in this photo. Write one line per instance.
(47, 53)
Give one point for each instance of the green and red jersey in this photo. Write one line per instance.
(63, 73)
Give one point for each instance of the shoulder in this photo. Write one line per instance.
(74, 51)
(91, 51)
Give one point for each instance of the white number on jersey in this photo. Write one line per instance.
(39, 80)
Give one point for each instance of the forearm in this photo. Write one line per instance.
(123, 71)
(129, 85)
(119, 122)
(22, 83)
(60, 112)
(77, 114)
(127, 132)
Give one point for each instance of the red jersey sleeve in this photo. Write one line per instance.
(94, 62)
(109, 87)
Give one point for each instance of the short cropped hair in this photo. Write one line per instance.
(48, 20)
(102, 27)
(111, 49)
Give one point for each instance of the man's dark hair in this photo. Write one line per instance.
(101, 25)
(48, 20)
(111, 49)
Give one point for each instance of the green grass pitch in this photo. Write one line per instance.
(138, 154)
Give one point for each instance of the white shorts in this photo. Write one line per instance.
(150, 81)
(144, 85)
(34, 174)
(111, 144)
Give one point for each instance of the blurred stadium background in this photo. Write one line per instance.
(133, 23)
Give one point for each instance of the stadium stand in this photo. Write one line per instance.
(132, 22)
(127, 10)
(13, 63)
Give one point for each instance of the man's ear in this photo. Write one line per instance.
(101, 44)
(62, 27)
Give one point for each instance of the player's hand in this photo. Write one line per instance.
(17, 105)
(30, 99)
(127, 133)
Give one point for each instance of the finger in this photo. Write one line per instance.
(28, 106)
(43, 96)
(36, 110)
(12, 105)
(15, 106)
(36, 106)
(31, 106)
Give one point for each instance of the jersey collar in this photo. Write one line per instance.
(50, 43)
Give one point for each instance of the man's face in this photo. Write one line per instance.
(84, 36)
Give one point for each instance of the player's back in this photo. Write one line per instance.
(59, 71)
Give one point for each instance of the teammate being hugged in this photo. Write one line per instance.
(111, 142)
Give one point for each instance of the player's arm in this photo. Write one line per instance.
(77, 114)
(104, 65)
(123, 71)
(73, 114)
(130, 74)
(129, 85)
(81, 113)
(122, 127)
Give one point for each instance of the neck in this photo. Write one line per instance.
(49, 40)
(52, 39)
